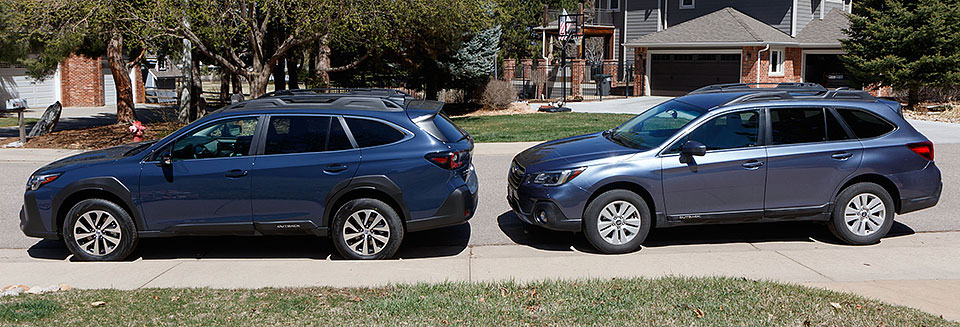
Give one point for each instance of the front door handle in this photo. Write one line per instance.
(236, 173)
(335, 168)
(842, 155)
(753, 164)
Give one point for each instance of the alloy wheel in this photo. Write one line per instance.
(97, 232)
(366, 232)
(619, 222)
(864, 214)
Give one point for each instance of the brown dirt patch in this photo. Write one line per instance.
(99, 137)
(949, 116)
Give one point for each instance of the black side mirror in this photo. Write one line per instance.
(690, 149)
(165, 160)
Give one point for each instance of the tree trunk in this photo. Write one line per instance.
(186, 86)
(323, 64)
(237, 86)
(293, 70)
(279, 77)
(198, 106)
(913, 97)
(312, 68)
(121, 78)
(224, 87)
(258, 82)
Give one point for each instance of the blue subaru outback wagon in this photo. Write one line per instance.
(732, 153)
(363, 166)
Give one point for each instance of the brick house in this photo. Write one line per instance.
(77, 82)
(728, 46)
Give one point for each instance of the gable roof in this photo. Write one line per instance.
(723, 27)
(827, 31)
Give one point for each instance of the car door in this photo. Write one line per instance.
(809, 154)
(204, 188)
(725, 183)
(303, 159)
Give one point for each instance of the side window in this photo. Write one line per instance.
(369, 132)
(797, 125)
(865, 125)
(297, 134)
(835, 132)
(728, 131)
(225, 138)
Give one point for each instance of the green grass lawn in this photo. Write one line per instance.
(536, 127)
(651, 302)
(13, 121)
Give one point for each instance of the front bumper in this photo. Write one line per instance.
(545, 214)
(32, 226)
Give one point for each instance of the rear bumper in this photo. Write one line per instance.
(457, 209)
(914, 204)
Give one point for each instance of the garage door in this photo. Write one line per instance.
(14, 83)
(109, 88)
(677, 74)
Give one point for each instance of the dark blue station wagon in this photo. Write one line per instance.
(363, 166)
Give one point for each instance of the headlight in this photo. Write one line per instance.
(558, 177)
(37, 181)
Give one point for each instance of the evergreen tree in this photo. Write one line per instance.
(475, 60)
(908, 45)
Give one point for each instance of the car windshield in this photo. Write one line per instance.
(654, 126)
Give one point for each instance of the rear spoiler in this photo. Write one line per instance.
(893, 105)
(419, 110)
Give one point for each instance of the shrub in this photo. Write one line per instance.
(498, 95)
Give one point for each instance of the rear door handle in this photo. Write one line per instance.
(753, 164)
(335, 168)
(236, 173)
(842, 155)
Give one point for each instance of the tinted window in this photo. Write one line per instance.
(372, 133)
(729, 131)
(654, 126)
(296, 134)
(225, 138)
(864, 124)
(442, 128)
(835, 132)
(797, 125)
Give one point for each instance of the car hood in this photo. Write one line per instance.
(93, 157)
(564, 153)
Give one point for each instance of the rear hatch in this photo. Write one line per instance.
(426, 114)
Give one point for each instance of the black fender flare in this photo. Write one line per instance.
(380, 183)
(107, 184)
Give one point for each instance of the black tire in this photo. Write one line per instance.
(94, 209)
(592, 216)
(838, 223)
(362, 207)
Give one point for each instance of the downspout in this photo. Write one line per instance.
(623, 43)
(758, 61)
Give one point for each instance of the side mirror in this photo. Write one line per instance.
(165, 160)
(690, 149)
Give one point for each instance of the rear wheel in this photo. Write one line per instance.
(617, 221)
(99, 230)
(367, 229)
(863, 214)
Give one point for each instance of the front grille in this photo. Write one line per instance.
(515, 175)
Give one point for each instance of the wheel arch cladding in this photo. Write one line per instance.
(884, 182)
(92, 193)
(378, 188)
(629, 186)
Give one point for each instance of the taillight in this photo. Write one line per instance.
(449, 159)
(924, 149)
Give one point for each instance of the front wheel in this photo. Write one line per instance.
(367, 229)
(617, 221)
(863, 214)
(99, 230)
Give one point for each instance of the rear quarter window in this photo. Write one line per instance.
(442, 128)
(369, 132)
(864, 124)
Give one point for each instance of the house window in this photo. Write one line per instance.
(776, 62)
(613, 5)
(161, 64)
(687, 4)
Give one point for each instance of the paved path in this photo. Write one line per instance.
(633, 105)
(915, 270)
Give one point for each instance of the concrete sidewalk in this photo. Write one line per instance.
(918, 270)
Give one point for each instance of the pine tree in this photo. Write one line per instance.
(908, 45)
(475, 61)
